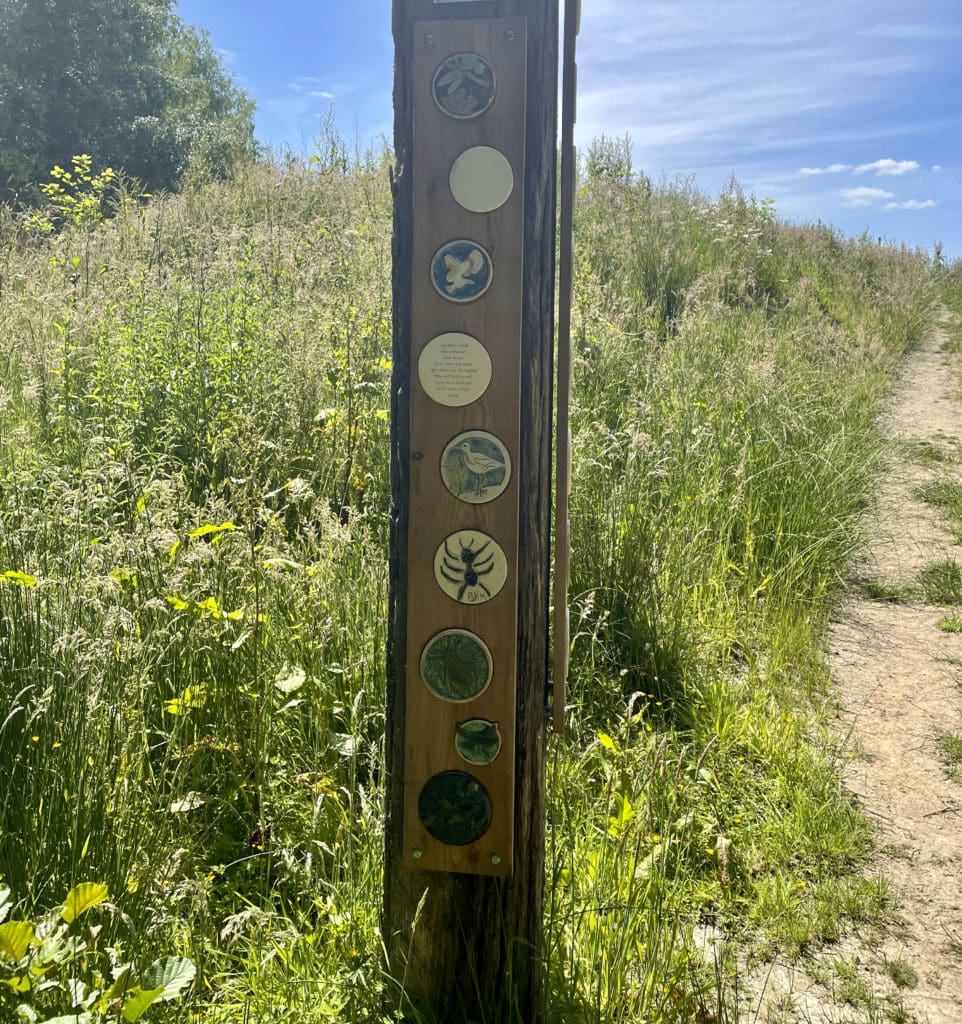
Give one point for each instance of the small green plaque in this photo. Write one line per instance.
(478, 741)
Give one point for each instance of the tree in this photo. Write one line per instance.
(122, 80)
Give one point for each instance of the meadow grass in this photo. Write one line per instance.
(193, 522)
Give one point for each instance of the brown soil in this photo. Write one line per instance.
(898, 678)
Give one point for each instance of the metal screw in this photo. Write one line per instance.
(418, 853)
(510, 36)
(429, 39)
(495, 858)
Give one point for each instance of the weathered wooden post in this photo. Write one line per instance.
(474, 242)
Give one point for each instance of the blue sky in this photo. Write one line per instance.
(845, 111)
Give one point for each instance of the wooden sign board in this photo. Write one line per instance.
(469, 91)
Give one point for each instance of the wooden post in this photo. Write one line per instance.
(474, 240)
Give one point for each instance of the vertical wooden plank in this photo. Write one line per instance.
(438, 517)
(467, 947)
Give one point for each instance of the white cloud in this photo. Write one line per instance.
(305, 83)
(936, 168)
(858, 198)
(831, 169)
(321, 94)
(912, 204)
(888, 166)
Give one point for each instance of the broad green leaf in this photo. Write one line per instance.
(621, 819)
(19, 984)
(172, 974)
(15, 937)
(137, 1001)
(22, 579)
(121, 983)
(82, 897)
(208, 528)
(606, 741)
(290, 680)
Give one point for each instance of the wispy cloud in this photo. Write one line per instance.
(914, 31)
(860, 198)
(831, 169)
(888, 167)
(912, 204)
(699, 83)
(306, 84)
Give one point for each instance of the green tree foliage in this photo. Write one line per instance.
(125, 81)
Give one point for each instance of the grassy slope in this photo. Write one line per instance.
(195, 720)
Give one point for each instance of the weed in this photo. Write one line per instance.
(941, 582)
(950, 745)
(927, 453)
(850, 986)
(950, 624)
(945, 495)
(876, 590)
(902, 973)
(897, 1014)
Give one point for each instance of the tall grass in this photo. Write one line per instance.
(193, 501)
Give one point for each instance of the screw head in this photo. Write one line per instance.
(495, 858)
(417, 853)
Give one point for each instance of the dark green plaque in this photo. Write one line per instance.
(463, 86)
(478, 741)
(455, 808)
(456, 665)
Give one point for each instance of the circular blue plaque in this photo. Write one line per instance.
(461, 270)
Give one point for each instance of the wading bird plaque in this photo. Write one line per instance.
(469, 89)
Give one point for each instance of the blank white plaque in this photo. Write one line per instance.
(481, 179)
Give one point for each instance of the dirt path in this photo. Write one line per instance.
(899, 683)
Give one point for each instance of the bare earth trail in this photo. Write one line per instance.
(898, 679)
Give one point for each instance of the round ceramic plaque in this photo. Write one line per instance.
(463, 86)
(478, 741)
(481, 179)
(470, 567)
(456, 665)
(455, 808)
(476, 467)
(461, 270)
(454, 369)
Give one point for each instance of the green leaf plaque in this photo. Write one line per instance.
(456, 665)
